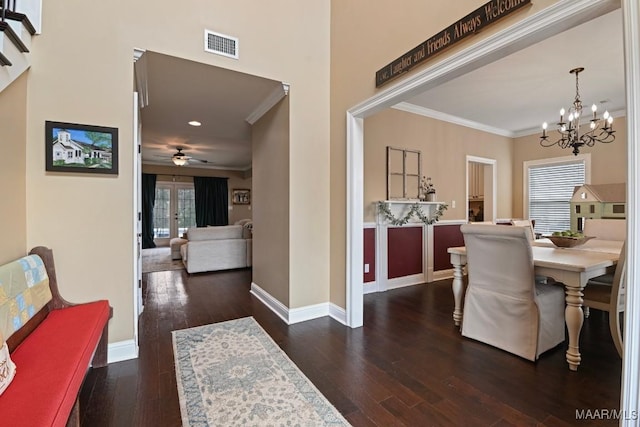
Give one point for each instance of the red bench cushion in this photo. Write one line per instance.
(51, 364)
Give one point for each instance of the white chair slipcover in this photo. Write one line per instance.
(504, 307)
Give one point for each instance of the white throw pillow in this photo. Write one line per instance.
(7, 368)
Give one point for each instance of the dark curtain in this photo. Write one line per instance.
(212, 202)
(148, 200)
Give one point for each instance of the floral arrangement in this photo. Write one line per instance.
(426, 186)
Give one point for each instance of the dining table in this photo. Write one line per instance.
(572, 267)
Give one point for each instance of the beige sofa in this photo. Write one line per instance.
(217, 248)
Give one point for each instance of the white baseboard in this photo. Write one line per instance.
(442, 274)
(301, 314)
(309, 312)
(121, 351)
(401, 282)
(370, 287)
(338, 313)
(273, 304)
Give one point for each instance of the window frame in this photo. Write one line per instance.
(407, 193)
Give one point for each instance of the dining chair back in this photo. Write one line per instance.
(504, 306)
(525, 223)
(607, 293)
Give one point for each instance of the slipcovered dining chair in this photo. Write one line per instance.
(504, 306)
(528, 224)
(607, 293)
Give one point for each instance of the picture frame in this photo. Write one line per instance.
(72, 147)
(241, 196)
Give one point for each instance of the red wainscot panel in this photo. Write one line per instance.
(404, 253)
(370, 254)
(445, 237)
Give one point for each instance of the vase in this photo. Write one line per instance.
(431, 197)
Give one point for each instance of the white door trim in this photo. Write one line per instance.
(494, 185)
(631, 362)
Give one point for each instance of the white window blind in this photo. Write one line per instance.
(550, 189)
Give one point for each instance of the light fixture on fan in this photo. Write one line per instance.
(601, 130)
(180, 159)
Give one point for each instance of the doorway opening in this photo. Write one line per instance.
(481, 189)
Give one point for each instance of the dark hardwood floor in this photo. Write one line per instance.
(408, 365)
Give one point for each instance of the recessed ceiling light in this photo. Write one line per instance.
(195, 123)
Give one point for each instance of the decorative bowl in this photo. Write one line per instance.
(568, 242)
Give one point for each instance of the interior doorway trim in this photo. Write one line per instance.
(552, 20)
(631, 360)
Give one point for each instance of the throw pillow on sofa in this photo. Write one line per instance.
(7, 367)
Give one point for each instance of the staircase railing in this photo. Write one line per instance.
(7, 5)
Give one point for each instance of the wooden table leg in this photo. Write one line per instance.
(574, 318)
(457, 287)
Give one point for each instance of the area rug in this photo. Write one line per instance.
(159, 259)
(233, 373)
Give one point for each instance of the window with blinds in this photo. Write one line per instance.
(550, 189)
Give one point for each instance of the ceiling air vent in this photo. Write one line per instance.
(220, 44)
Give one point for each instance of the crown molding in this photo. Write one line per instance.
(438, 115)
(272, 99)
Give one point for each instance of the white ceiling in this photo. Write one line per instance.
(516, 94)
(179, 91)
(511, 96)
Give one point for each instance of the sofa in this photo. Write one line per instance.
(217, 248)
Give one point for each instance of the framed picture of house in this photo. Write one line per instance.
(241, 196)
(72, 147)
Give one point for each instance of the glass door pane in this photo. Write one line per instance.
(162, 215)
(186, 209)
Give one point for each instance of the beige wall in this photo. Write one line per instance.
(237, 180)
(363, 40)
(444, 148)
(82, 72)
(608, 161)
(270, 146)
(13, 219)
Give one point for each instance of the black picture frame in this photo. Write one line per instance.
(73, 147)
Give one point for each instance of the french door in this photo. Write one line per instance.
(174, 211)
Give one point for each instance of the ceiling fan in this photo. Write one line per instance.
(181, 159)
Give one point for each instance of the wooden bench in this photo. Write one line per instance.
(52, 348)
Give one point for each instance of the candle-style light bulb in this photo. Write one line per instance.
(606, 114)
(561, 115)
(594, 108)
(544, 129)
(570, 117)
(610, 121)
(593, 124)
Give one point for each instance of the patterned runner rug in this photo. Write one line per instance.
(159, 259)
(233, 373)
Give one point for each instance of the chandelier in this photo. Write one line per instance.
(601, 130)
